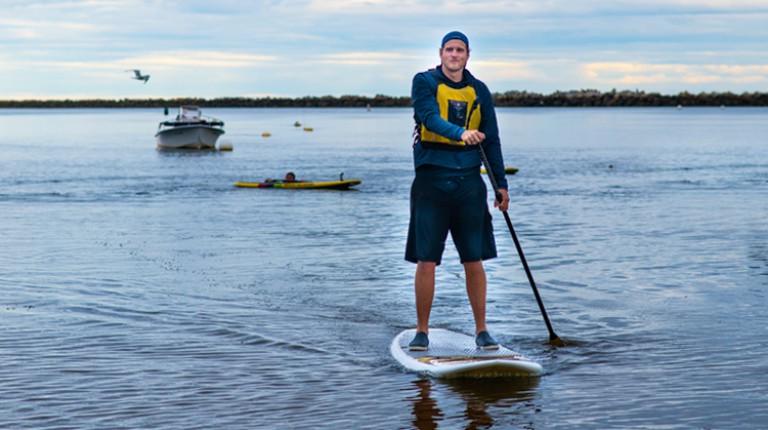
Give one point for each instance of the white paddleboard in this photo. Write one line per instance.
(455, 355)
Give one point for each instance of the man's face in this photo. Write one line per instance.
(454, 55)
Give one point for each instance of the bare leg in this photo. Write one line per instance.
(425, 291)
(476, 291)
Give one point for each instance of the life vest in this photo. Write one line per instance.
(459, 106)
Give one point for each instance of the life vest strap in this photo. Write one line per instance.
(446, 146)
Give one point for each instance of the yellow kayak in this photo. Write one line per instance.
(302, 185)
(507, 170)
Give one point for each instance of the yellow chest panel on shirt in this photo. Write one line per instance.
(458, 106)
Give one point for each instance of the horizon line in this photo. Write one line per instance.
(591, 91)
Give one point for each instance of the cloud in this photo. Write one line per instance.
(701, 4)
(89, 95)
(202, 59)
(365, 6)
(365, 58)
(38, 28)
(625, 73)
(512, 8)
(503, 69)
(156, 60)
(436, 8)
(375, 46)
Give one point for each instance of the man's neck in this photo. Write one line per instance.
(456, 76)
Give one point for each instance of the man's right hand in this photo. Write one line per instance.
(472, 137)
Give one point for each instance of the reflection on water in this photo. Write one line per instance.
(478, 396)
(426, 412)
(185, 152)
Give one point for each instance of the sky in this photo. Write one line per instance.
(78, 49)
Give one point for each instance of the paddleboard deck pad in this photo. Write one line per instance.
(455, 355)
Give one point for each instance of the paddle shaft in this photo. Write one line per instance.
(484, 158)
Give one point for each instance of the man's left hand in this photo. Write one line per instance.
(503, 205)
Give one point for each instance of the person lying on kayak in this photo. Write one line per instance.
(289, 177)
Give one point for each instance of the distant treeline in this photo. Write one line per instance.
(576, 98)
(595, 98)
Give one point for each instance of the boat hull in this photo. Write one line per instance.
(188, 137)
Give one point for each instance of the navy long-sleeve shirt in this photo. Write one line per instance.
(427, 112)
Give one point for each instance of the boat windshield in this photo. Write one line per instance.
(189, 113)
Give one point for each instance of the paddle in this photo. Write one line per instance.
(554, 339)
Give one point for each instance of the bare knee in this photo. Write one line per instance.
(474, 268)
(426, 267)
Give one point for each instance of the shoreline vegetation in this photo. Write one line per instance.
(574, 98)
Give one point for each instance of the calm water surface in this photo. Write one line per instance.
(140, 289)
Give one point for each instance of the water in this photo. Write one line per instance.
(140, 289)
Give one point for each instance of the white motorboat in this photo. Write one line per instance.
(190, 130)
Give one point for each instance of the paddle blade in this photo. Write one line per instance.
(556, 341)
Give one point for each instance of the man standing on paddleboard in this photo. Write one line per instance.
(454, 113)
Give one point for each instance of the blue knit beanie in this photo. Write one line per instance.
(455, 35)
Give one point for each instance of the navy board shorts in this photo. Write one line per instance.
(444, 200)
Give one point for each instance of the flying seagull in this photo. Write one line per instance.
(139, 76)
